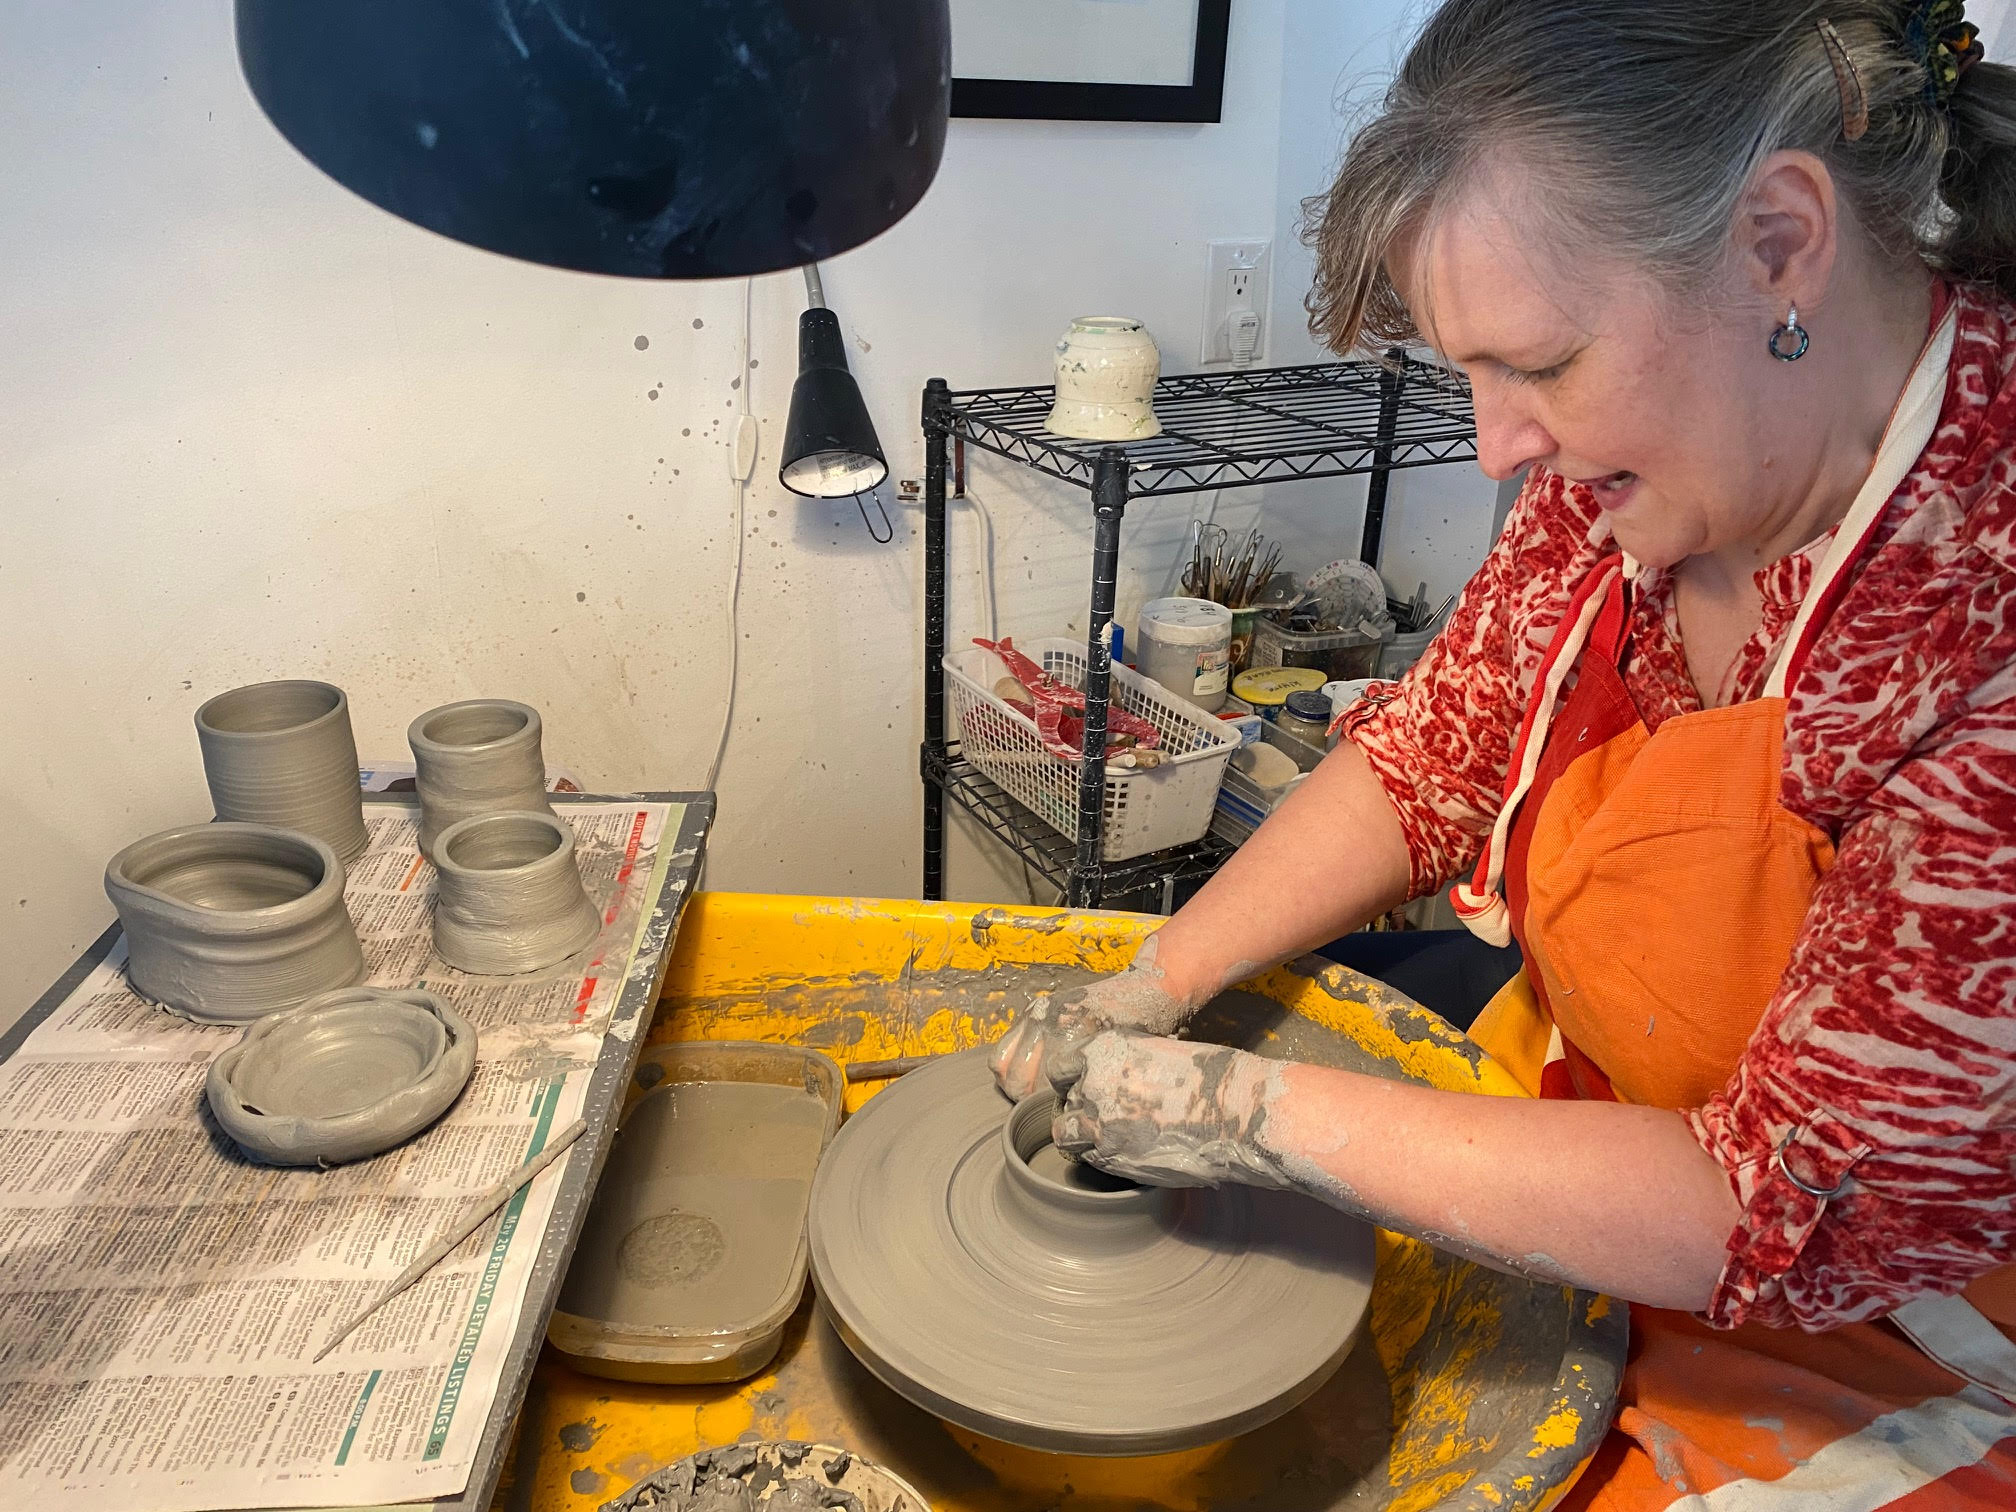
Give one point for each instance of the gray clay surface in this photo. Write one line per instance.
(228, 922)
(347, 1075)
(770, 1477)
(282, 753)
(509, 895)
(1107, 1320)
(480, 756)
(699, 1217)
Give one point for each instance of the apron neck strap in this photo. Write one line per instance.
(1912, 420)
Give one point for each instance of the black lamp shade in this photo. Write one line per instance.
(830, 448)
(647, 138)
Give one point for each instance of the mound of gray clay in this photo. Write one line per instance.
(345, 1076)
(978, 1272)
(228, 922)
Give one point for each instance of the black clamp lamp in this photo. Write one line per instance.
(830, 447)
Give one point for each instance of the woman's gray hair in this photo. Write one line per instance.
(1645, 119)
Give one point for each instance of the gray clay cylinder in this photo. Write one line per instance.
(228, 922)
(347, 1075)
(282, 753)
(509, 897)
(480, 756)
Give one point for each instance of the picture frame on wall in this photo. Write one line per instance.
(1090, 60)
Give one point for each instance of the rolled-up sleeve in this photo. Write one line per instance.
(1441, 738)
(1884, 1068)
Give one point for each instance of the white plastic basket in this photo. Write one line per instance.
(1146, 810)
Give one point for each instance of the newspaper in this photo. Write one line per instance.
(161, 1296)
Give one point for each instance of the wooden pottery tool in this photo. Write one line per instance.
(472, 1217)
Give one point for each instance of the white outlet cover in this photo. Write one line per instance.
(1253, 256)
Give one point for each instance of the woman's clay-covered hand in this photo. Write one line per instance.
(1501, 1180)
(1167, 1112)
(1137, 998)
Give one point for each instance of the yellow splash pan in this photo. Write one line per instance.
(1479, 1392)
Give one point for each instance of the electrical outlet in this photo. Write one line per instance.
(1235, 301)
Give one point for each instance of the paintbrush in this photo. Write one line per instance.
(471, 1218)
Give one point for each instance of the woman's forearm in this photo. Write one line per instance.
(1615, 1198)
(1325, 862)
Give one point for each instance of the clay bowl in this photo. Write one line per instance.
(696, 1480)
(227, 922)
(347, 1075)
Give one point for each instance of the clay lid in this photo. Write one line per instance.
(347, 1075)
(977, 1272)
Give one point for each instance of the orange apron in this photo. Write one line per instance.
(1656, 886)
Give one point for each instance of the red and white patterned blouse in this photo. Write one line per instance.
(1897, 1013)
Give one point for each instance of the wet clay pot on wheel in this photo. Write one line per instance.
(228, 922)
(480, 756)
(347, 1075)
(282, 753)
(978, 1272)
(510, 897)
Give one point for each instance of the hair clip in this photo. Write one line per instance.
(1848, 80)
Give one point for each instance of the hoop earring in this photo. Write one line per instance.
(1789, 331)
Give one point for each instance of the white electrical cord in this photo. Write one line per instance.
(742, 463)
(986, 562)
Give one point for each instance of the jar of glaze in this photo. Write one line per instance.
(1305, 714)
(1106, 371)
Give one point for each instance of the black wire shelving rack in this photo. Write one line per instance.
(1219, 430)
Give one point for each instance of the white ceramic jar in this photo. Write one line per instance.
(1106, 371)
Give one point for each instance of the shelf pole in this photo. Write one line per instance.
(1392, 379)
(937, 402)
(1087, 881)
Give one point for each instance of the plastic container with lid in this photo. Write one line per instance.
(694, 1256)
(1251, 792)
(1305, 714)
(1400, 653)
(1185, 644)
(1338, 654)
(1267, 688)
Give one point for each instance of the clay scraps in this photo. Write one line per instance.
(1058, 711)
(741, 1478)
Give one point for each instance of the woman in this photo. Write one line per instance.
(1724, 732)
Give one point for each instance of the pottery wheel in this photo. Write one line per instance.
(980, 1274)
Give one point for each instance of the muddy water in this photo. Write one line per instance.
(699, 1216)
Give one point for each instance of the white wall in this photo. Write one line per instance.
(253, 427)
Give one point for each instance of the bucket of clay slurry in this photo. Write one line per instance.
(693, 1255)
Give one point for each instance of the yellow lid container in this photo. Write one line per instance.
(1267, 688)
